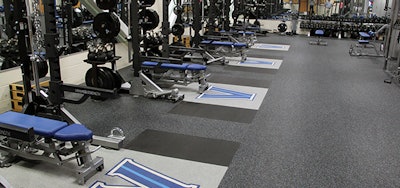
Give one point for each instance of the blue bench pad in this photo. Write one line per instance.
(224, 43)
(364, 34)
(363, 41)
(197, 67)
(184, 66)
(74, 132)
(41, 126)
(246, 32)
(319, 32)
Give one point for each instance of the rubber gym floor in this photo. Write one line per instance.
(327, 120)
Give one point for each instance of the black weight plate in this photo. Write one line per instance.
(178, 29)
(282, 27)
(150, 19)
(117, 79)
(106, 4)
(110, 78)
(178, 10)
(101, 79)
(106, 25)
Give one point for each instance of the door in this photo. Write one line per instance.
(303, 7)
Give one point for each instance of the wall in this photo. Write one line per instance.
(73, 71)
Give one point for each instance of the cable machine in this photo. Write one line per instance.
(391, 46)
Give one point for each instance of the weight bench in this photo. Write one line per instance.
(225, 48)
(363, 46)
(183, 74)
(364, 39)
(248, 37)
(41, 139)
(319, 33)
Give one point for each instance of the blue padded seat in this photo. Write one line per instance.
(363, 41)
(224, 43)
(184, 66)
(364, 35)
(319, 32)
(41, 126)
(166, 65)
(74, 132)
(196, 67)
(239, 44)
(246, 32)
(206, 42)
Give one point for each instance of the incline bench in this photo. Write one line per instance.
(42, 139)
(183, 74)
(364, 39)
(225, 48)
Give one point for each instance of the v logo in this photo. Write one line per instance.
(225, 94)
(141, 177)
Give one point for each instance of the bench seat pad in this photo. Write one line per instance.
(74, 132)
(41, 126)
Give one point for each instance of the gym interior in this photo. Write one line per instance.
(212, 93)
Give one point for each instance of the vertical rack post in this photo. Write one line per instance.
(134, 17)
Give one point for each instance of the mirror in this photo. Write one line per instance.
(8, 45)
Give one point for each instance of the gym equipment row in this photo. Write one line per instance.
(382, 20)
(45, 131)
(329, 27)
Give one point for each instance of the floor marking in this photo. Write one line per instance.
(142, 176)
(253, 62)
(225, 95)
(228, 94)
(100, 184)
(264, 46)
(256, 62)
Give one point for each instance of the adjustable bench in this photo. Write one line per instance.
(319, 33)
(225, 48)
(246, 32)
(248, 37)
(183, 74)
(184, 66)
(224, 43)
(364, 39)
(364, 47)
(45, 140)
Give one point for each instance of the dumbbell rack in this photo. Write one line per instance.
(342, 25)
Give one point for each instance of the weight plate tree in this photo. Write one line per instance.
(106, 26)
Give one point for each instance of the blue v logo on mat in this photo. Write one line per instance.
(257, 62)
(221, 93)
(140, 177)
